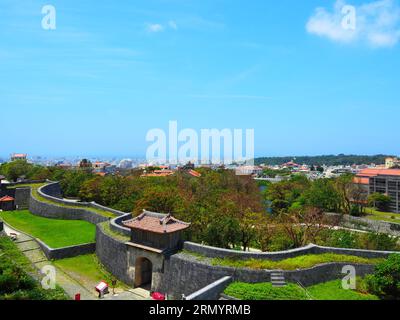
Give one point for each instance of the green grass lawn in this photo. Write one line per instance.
(55, 233)
(27, 185)
(301, 262)
(87, 270)
(373, 214)
(331, 290)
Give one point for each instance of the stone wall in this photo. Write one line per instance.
(66, 252)
(112, 253)
(52, 189)
(52, 192)
(53, 211)
(213, 252)
(186, 275)
(22, 196)
(367, 224)
(212, 291)
(116, 224)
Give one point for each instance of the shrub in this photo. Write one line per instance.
(342, 239)
(385, 282)
(379, 241)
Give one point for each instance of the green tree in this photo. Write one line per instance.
(322, 194)
(385, 281)
(379, 201)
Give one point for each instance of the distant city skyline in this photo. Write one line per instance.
(111, 72)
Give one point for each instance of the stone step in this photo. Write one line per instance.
(278, 279)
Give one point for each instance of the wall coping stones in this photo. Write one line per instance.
(117, 226)
(214, 252)
(66, 252)
(212, 291)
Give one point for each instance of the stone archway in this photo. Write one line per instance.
(143, 272)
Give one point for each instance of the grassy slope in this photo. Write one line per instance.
(10, 252)
(55, 233)
(331, 290)
(301, 262)
(85, 269)
(382, 216)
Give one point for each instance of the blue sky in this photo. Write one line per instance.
(112, 70)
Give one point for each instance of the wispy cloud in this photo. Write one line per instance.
(154, 28)
(377, 23)
(158, 27)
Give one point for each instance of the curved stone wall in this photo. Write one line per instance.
(367, 224)
(53, 211)
(113, 255)
(213, 252)
(116, 224)
(52, 192)
(185, 275)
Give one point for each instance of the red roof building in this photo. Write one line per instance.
(7, 203)
(156, 230)
(7, 199)
(386, 181)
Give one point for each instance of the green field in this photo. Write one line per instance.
(265, 291)
(373, 214)
(301, 262)
(55, 233)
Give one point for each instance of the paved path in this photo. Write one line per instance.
(32, 251)
(30, 248)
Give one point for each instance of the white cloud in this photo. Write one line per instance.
(377, 23)
(155, 28)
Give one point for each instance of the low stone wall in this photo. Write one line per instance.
(53, 211)
(52, 192)
(116, 224)
(52, 189)
(367, 224)
(66, 252)
(213, 252)
(212, 291)
(185, 274)
(113, 254)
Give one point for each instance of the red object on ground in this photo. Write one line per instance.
(78, 297)
(158, 296)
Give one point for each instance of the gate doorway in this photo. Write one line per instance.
(143, 273)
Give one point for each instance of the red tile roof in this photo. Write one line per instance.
(194, 173)
(361, 180)
(6, 199)
(376, 172)
(157, 223)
